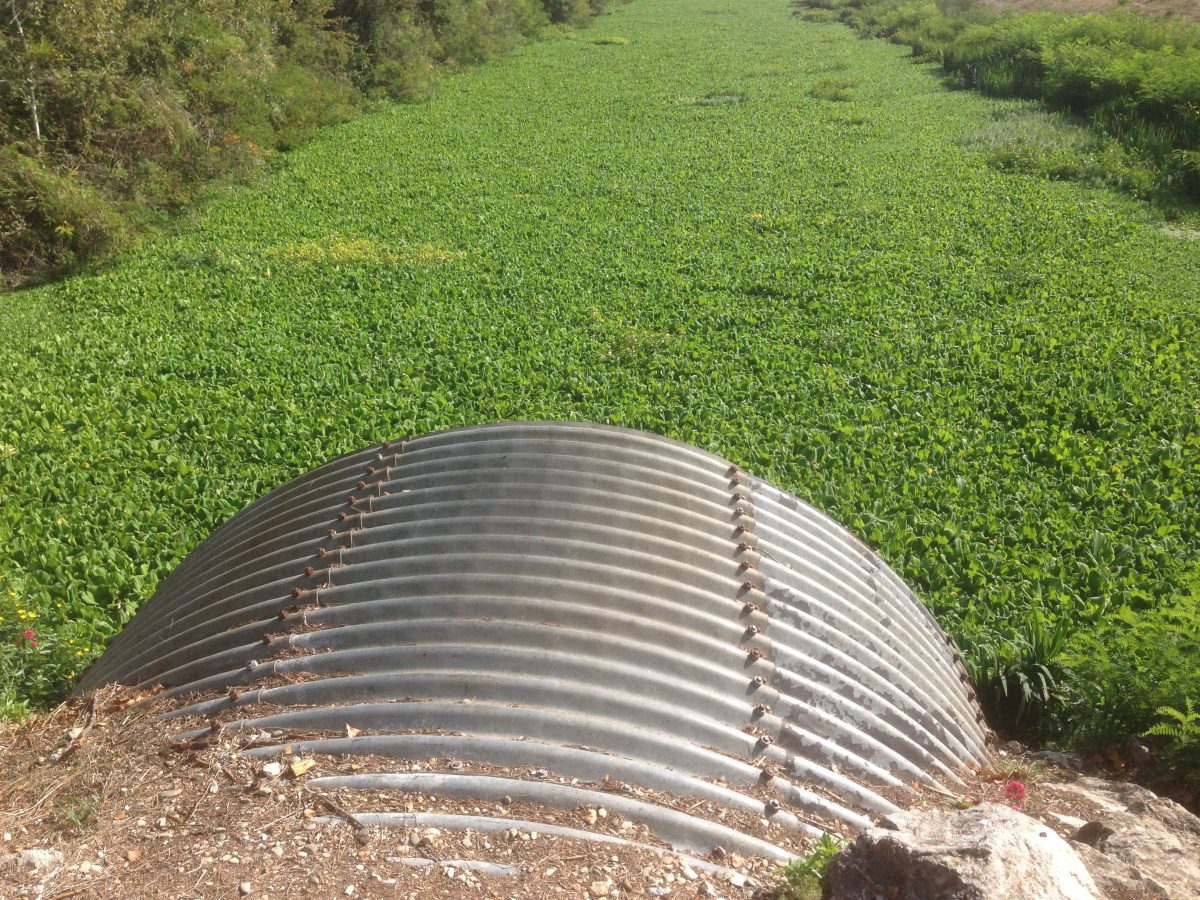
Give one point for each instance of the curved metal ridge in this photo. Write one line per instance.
(592, 601)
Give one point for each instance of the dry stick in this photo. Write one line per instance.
(360, 827)
(82, 737)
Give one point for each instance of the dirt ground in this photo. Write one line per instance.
(126, 812)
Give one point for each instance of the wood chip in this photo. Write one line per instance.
(300, 766)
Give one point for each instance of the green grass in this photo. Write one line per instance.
(990, 377)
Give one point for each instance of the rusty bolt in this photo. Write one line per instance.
(370, 470)
(282, 614)
(765, 739)
(754, 653)
(748, 585)
(296, 592)
(774, 805)
(309, 571)
(321, 551)
(758, 681)
(343, 516)
(234, 693)
(752, 629)
(740, 529)
(761, 709)
(749, 607)
(362, 485)
(743, 546)
(332, 532)
(266, 638)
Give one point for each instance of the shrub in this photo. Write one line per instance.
(113, 114)
(1137, 80)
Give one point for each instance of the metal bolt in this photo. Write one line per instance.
(752, 629)
(774, 805)
(234, 693)
(362, 485)
(321, 551)
(342, 517)
(765, 739)
(266, 639)
(754, 653)
(309, 571)
(387, 445)
(758, 681)
(743, 547)
(761, 709)
(744, 565)
(296, 592)
(370, 470)
(282, 614)
(739, 511)
(749, 607)
(740, 529)
(332, 532)
(748, 585)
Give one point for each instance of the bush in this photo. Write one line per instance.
(112, 114)
(1137, 80)
(50, 222)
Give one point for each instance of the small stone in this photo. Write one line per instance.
(349, 891)
(591, 817)
(707, 890)
(689, 873)
(273, 769)
(600, 888)
(245, 888)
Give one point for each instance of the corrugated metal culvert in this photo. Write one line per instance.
(594, 602)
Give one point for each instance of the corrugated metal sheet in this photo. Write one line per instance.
(591, 600)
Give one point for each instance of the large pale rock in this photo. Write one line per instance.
(1139, 842)
(989, 852)
(34, 861)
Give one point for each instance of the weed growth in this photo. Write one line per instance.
(801, 878)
